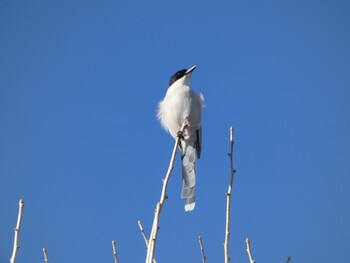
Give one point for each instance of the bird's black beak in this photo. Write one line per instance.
(190, 70)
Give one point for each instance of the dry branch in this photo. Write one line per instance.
(251, 260)
(46, 260)
(204, 258)
(114, 252)
(17, 229)
(143, 232)
(228, 198)
(144, 236)
(153, 237)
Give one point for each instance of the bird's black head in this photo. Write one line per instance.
(177, 75)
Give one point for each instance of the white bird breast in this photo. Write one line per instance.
(179, 105)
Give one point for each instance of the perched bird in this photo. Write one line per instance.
(181, 105)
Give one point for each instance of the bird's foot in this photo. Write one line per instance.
(180, 135)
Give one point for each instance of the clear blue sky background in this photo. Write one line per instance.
(80, 143)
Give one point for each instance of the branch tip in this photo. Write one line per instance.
(114, 252)
(251, 260)
(202, 249)
(16, 230)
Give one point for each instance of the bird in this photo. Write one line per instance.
(181, 105)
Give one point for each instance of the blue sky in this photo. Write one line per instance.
(80, 143)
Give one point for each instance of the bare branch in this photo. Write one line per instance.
(143, 232)
(46, 260)
(251, 260)
(288, 259)
(144, 236)
(163, 197)
(17, 229)
(228, 198)
(204, 258)
(114, 252)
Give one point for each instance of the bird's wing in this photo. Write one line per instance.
(198, 142)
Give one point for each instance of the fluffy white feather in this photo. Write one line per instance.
(181, 104)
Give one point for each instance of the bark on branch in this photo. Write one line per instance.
(144, 236)
(114, 252)
(153, 237)
(251, 260)
(204, 258)
(17, 229)
(46, 260)
(228, 199)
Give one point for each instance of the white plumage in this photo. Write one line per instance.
(182, 105)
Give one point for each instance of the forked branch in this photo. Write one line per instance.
(144, 236)
(153, 237)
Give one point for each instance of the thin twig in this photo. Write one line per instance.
(251, 260)
(288, 259)
(228, 198)
(114, 252)
(143, 233)
(204, 258)
(144, 236)
(163, 197)
(46, 260)
(17, 228)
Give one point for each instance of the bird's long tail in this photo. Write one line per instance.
(188, 173)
